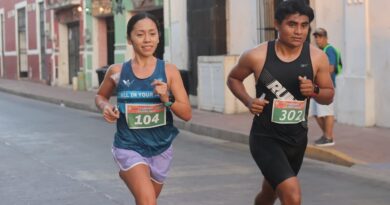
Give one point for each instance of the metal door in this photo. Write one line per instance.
(42, 50)
(206, 34)
(22, 44)
(2, 46)
(110, 39)
(73, 50)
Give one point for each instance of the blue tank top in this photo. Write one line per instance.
(132, 90)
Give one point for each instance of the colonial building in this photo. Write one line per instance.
(25, 45)
(359, 28)
(105, 31)
(63, 42)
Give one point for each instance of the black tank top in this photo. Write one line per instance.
(286, 74)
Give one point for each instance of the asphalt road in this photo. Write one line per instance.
(56, 155)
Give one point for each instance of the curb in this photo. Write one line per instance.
(313, 152)
(52, 100)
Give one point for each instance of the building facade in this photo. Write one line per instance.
(25, 46)
(358, 28)
(62, 42)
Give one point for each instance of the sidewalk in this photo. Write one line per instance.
(354, 145)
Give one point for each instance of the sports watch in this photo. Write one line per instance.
(170, 102)
(316, 90)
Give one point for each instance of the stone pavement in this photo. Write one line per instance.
(367, 147)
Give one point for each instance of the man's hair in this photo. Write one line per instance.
(289, 7)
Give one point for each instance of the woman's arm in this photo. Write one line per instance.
(110, 113)
(181, 107)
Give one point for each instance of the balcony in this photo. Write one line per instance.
(61, 4)
(101, 8)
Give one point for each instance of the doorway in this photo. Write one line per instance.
(73, 50)
(205, 38)
(2, 48)
(42, 50)
(110, 26)
(22, 44)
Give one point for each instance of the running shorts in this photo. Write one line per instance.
(159, 165)
(276, 159)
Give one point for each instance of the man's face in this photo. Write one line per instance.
(293, 30)
(321, 40)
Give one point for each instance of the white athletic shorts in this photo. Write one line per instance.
(319, 110)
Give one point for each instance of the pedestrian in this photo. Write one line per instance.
(288, 72)
(324, 114)
(148, 91)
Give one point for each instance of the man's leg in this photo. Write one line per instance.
(289, 191)
(328, 126)
(267, 195)
(321, 123)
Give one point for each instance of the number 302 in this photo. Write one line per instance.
(291, 115)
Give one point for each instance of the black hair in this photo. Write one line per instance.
(289, 7)
(139, 16)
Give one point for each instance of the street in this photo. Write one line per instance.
(52, 154)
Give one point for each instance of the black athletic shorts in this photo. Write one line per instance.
(276, 159)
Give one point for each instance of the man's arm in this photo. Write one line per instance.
(323, 81)
(236, 77)
(246, 66)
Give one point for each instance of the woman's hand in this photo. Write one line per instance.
(110, 113)
(161, 89)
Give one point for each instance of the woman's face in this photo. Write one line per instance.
(144, 37)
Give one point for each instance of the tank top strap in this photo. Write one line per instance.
(160, 70)
(305, 50)
(126, 71)
(271, 54)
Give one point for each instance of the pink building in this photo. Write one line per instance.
(25, 50)
(41, 40)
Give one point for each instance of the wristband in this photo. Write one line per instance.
(316, 90)
(168, 104)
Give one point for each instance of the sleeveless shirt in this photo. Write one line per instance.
(286, 73)
(133, 90)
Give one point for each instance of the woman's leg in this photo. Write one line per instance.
(139, 183)
(157, 188)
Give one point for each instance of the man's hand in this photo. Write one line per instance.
(256, 106)
(306, 86)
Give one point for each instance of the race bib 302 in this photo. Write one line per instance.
(288, 111)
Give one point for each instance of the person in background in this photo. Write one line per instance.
(148, 92)
(324, 114)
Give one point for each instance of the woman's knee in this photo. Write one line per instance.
(146, 200)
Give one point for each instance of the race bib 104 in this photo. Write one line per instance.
(142, 116)
(288, 111)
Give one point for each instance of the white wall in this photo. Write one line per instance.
(329, 15)
(380, 58)
(241, 17)
(175, 23)
(350, 28)
(357, 85)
